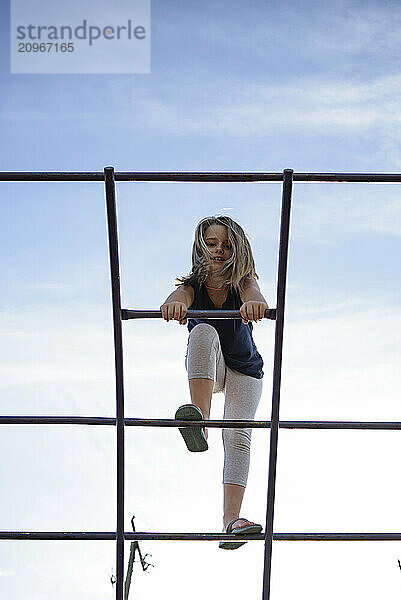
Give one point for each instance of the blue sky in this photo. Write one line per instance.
(233, 86)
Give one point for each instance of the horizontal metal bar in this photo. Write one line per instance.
(349, 177)
(141, 176)
(57, 535)
(261, 536)
(232, 177)
(77, 535)
(270, 313)
(341, 537)
(340, 424)
(55, 420)
(52, 176)
(218, 423)
(111, 535)
(48, 420)
(225, 424)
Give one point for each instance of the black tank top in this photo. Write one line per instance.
(239, 349)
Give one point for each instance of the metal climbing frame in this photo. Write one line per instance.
(119, 314)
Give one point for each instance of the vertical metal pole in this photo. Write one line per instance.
(118, 355)
(278, 348)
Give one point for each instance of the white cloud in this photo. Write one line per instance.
(258, 110)
(322, 212)
(314, 29)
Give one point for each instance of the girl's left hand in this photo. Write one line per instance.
(253, 311)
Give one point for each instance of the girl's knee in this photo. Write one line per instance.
(202, 329)
(237, 439)
(203, 333)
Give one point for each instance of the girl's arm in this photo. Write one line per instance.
(176, 304)
(254, 303)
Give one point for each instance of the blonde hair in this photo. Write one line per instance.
(236, 269)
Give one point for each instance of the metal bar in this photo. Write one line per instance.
(217, 423)
(111, 535)
(118, 354)
(136, 422)
(227, 424)
(345, 537)
(270, 313)
(149, 176)
(375, 425)
(50, 420)
(57, 535)
(278, 351)
(51, 176)
(260, 536)
(348, 177)
(233, 177)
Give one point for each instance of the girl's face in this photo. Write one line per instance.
(216, 238)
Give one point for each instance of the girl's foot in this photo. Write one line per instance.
(238, 526)
(194, 437)
(241, 525)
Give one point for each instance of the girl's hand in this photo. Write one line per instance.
(174, 311)
(252, 311)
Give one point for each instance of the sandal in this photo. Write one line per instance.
(194, 437)
(232, 545)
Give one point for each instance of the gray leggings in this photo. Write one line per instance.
(204, 359)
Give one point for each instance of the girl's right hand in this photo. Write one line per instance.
(174, 311)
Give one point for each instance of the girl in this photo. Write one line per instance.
(221, 354)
